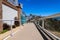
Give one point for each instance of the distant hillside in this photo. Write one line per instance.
(52, 24)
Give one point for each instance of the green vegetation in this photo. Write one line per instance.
(52, 24)
(4, 31)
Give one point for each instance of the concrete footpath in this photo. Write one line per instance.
(27, 32)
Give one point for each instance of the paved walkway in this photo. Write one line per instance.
(27, 32)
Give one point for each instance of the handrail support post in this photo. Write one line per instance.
(43, 23)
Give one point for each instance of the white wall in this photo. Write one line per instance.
(8, 14)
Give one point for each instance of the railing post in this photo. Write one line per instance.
(43, 23)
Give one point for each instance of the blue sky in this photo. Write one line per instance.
(41, 7)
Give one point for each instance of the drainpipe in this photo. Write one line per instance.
(19, 13)
(1, 22)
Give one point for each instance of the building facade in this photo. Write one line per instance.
(9, 9)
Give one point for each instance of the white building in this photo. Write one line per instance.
(9, 9)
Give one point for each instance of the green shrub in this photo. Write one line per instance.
(6, 26)
(5, 30)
